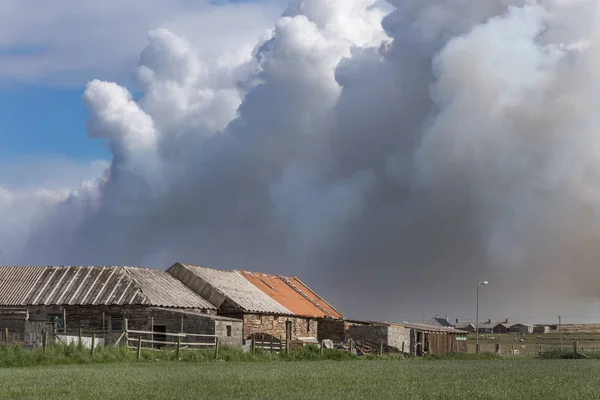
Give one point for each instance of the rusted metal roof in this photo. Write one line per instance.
(254, 292)
(218, 286)
(110, 285)
(292, 294)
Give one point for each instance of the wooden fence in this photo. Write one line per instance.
(176, 342)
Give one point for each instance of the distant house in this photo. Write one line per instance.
(490, 326)
(466, 326)
(541, 329)
(438, 321)
(522, 329)
(501, 328)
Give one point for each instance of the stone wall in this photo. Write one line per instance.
(275, 326)
(332, 329)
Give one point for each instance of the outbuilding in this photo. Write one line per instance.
(107, 300)
(275, 306)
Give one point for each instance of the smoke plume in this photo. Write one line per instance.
(390, 161)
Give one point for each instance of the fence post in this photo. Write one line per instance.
(253, 343)
(126, 328)
(178, 346)
(216, 348)
(322, 345)
(380, 349)
(351, 346)
(139, 348)
(80, 332)
(271, 344)
(6, 335)
(93, 344)
(287, 344)
(403, 343)
(498, 349)
(44, 340)
(574, 350)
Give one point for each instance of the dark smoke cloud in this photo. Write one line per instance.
(392, 162)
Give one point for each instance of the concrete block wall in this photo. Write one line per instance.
(398, 335)
(237, 332)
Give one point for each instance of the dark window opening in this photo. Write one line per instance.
(308, 326)
(116, 324)
(228, 330)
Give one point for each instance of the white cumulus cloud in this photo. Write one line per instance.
(393, 157)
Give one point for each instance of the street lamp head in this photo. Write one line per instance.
(484, 283)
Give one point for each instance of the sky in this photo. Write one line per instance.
(390, 153)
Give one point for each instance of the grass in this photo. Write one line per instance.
(526, 344)
(523, 378)
(15, 356)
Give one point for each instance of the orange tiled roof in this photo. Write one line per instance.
(292, 294)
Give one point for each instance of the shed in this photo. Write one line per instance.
(430, 339)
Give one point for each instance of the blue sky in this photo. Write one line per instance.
(49, 53)
(36, 119)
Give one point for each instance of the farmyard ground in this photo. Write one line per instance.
(394, 379)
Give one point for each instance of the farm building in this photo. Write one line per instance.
(414, 338)
(522, 329)
(541, 329)
(273, 305)
(104, 299)
(429, 339)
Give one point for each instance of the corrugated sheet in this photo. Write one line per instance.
(232, 285)
(292, 294)
(114, 285)
(428, 328)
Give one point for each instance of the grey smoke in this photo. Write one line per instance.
(391, 170)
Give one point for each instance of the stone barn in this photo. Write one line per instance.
(101, 299)
(277, 306)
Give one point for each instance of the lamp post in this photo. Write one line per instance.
(477, 318)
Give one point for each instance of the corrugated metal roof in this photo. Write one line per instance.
(113, 285)
(229, 284)
(429, 328)
(292, 294)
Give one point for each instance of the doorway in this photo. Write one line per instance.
(158, 329)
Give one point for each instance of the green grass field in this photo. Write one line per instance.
(412, 379)
(526, 344)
